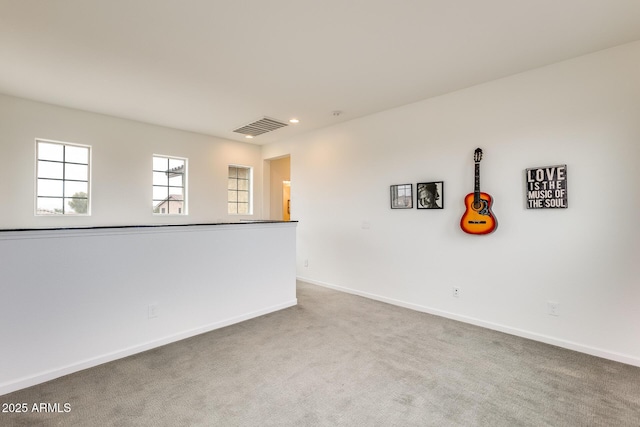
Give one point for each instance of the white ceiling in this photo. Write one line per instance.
(210, 66)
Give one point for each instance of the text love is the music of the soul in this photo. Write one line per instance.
(547, 187)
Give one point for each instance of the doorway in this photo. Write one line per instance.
(280, 188)
(286, 200)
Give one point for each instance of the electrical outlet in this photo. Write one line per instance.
(553, 308)
(153, 310)
(456, 291)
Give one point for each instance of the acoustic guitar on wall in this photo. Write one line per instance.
(478, 217)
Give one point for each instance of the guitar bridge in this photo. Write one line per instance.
(477, 222)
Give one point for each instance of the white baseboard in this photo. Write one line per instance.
(570, 345)
(42, 377)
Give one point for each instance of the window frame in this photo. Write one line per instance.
(249, 190)
(41, 213)
(155, 203)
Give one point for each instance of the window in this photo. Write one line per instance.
(239, 190)
(62, 178)
(169, 185)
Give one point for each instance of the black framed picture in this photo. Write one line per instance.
(402, 196)
(430, 195)
(546, 187)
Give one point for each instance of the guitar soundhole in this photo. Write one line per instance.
(477, 206)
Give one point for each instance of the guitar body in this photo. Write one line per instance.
(478, 218)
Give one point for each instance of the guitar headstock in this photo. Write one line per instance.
(477, 155)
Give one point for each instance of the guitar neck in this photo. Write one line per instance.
(476, 191)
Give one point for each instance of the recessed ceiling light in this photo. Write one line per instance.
(248, 136)
(294, 121)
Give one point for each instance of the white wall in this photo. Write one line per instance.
(583, 113)
(75, 299)
(121, 166)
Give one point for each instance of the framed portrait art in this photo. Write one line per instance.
(402, 196)
(430, 195)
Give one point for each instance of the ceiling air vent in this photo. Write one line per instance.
(261, 126)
